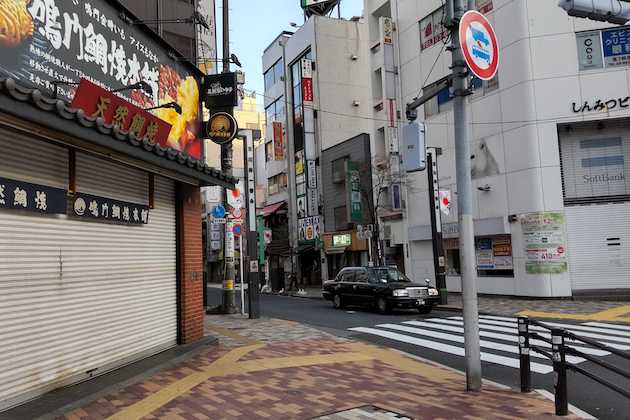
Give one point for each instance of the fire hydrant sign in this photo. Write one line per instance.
(478, 42)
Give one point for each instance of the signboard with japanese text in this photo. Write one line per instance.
(100, 103)
(545, 244)
(342, 240)
(313, 202)
(616, 47)
(311, 172)
(220, 90)
(221, 128)
(105, 209)
(278, 140)
(65, 41)
(20, 195)
(353, 186)
(307, 91)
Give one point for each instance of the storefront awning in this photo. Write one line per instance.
(336, 250)
(77, 129)
(272, 208)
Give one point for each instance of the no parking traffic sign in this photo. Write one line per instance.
(478, 42)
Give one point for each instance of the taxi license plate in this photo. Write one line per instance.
(420, 301)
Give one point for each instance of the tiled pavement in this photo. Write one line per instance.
(272, 369)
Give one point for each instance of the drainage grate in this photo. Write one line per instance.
(366, 412)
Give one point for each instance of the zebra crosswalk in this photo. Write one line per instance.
(498, 338)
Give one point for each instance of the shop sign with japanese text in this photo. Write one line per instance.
(221, 128)
(355, 203)
(105, 209)
(219, 90)
(616, 47)
(63, 41)
(20, 195)
(278, 140)
(100, 103)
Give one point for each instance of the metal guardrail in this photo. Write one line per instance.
(557, 354)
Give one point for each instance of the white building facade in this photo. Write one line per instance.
(317, 94)
(549, 139)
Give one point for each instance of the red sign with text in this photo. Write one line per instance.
(98, 102)
(307, 90)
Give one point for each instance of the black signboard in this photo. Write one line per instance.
(101, 208)
(63, 41)
(220, 90)
(36, 198)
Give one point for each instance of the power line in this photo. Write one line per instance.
(436, 123)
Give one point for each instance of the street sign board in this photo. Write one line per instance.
(478, 42)
(236, 230)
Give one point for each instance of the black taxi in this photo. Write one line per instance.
(384, 288)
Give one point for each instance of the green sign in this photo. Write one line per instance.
(342, 240)
(353, 187)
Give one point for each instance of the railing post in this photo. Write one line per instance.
(560, 372)
(523, 347)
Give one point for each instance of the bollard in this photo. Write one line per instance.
(560, 372)
(523, 351)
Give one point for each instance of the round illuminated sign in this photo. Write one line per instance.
(478, 42)
(221, 128)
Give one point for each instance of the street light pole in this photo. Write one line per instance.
(464, 201)
(229, 299)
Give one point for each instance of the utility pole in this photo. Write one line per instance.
(229, 301)
(439, 263)
(464, 198)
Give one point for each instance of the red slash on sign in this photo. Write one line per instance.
(478, 42)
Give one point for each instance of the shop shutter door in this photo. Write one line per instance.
(76, 297)
(599, 246)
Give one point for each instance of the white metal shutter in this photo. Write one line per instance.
(80, 297)
(599, 246)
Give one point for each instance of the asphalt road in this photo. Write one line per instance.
(442, 346)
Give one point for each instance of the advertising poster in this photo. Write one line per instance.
(278, 140)
(63, 41)
(485, 260)
(545, 245)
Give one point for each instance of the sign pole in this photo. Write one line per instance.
(240, 245)
(464, 201)
(369, 238)
(436, 226)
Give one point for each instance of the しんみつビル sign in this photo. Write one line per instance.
(100, 103)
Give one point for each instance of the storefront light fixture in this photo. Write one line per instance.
(196, 18)
(172, 105)
(139, 85)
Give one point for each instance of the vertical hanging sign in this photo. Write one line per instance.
(307, 81)
(353, 186)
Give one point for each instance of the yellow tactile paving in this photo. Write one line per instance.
(610, 315)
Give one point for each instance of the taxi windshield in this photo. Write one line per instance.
(388, 275)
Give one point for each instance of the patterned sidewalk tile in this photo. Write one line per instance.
(388, 380)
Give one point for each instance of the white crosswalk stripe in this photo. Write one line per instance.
(499, 343)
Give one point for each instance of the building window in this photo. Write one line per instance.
(269, 151)
(275, 111)
(339, 170)
(277, 184)
(440, 103)
(274, 74)
(493, 256)
(593, 165)
(296, 95)
(341, 218)
(432, 29)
